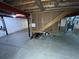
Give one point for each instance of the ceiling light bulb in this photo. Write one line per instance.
(14, 16)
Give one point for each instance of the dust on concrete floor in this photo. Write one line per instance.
(19, 46)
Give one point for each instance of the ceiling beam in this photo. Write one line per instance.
(53, 4)
(58, 1)
(24, 3)
(30, 2)
(72, 14)
(69, 4)
(12, 9)
(36, 7)
(39, 4)
(61, 5)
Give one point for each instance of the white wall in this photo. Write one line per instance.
(76, 26)
(15, 24)
(63, 22)
(2, 33)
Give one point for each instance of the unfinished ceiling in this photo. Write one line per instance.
(43, 5)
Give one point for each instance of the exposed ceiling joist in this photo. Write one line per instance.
(69, 4)
(58, 1)
(60, 5)
(39, 4)
(61, 0)
(24, 3)
(30, 5)
(36, 7)
(27, 3)
(12, 9)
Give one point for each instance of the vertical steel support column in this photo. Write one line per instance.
(31, 25)
(29, 19)
(29, 28)
(4, 25)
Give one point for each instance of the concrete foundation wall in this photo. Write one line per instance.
(13, 25)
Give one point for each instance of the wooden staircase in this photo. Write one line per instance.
(63, 14)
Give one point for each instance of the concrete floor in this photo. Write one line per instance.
(18, 46)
